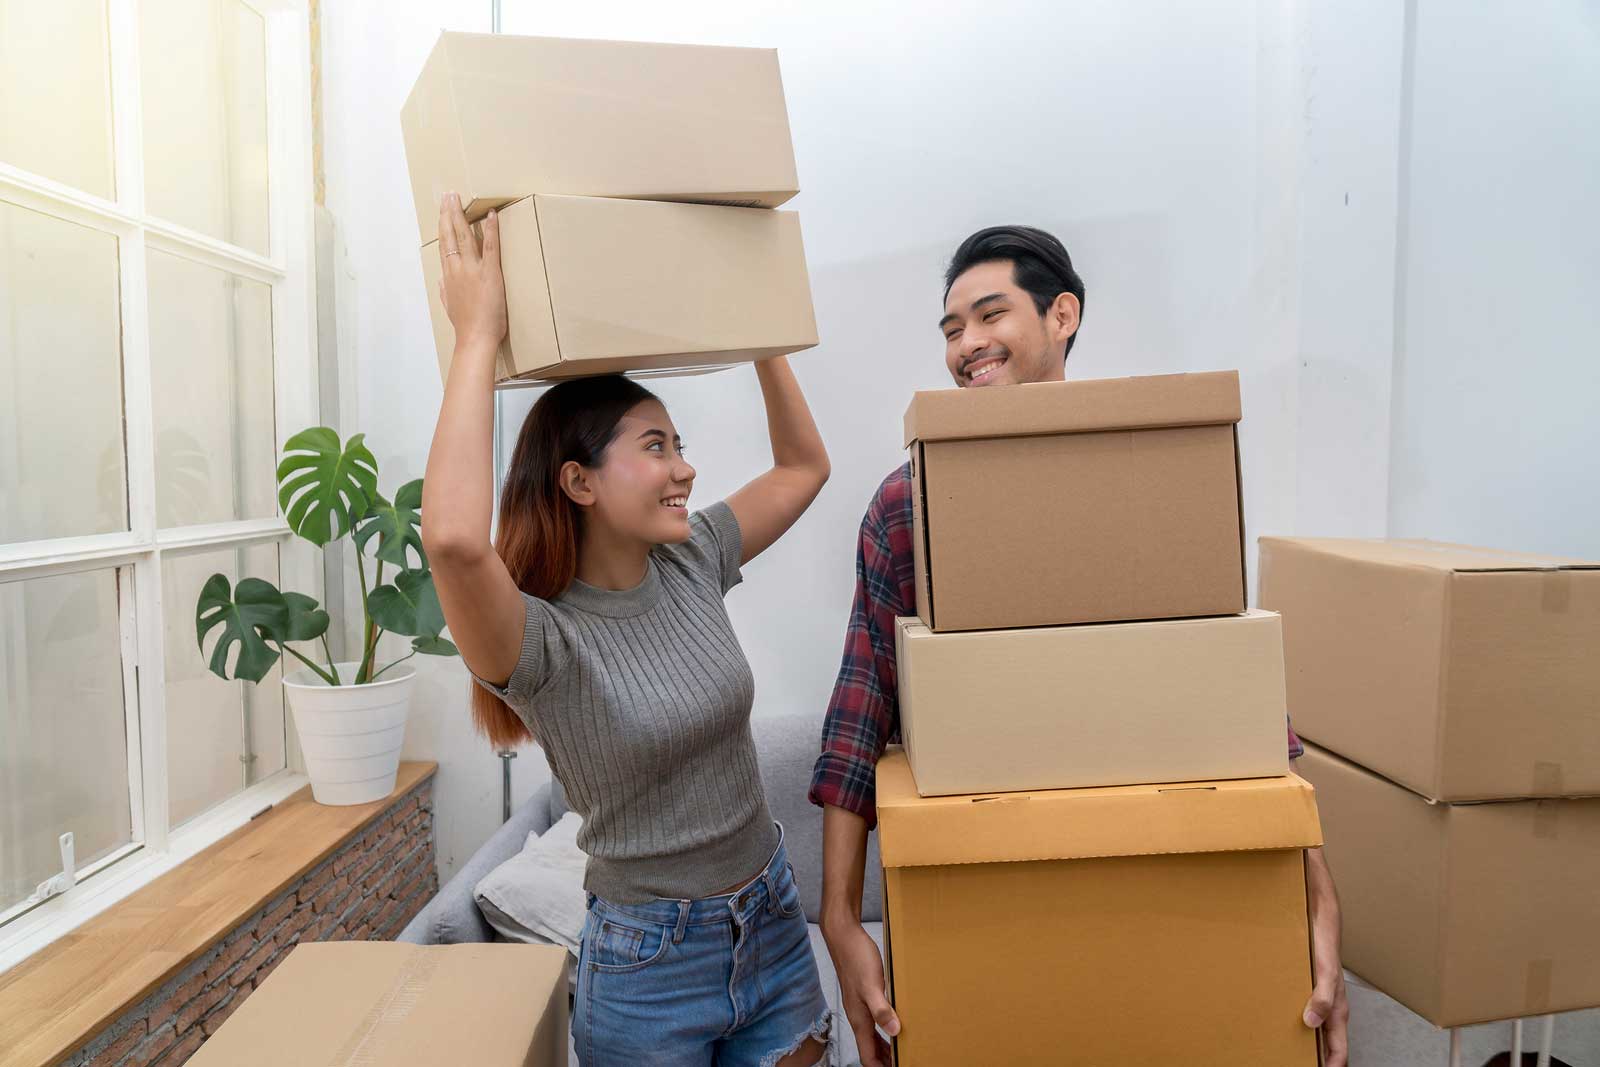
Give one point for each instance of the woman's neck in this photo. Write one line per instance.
(609, 561)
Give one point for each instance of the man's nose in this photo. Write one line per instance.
(972, 342)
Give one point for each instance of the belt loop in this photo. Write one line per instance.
(683, 922)
(772, 889)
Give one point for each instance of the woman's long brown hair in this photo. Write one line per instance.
(539, 524)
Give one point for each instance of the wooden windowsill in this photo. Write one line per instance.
(60, 997)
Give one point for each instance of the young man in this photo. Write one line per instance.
(1011, 312)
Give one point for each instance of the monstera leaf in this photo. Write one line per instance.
(304, 620)
(435, 646)
(398, 526)
(245, 614)
(410, 606)
(322, 488)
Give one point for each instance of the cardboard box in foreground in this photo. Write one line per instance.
(1462, 673)
(1138, 924)
(597, 286)
(1062, 707)
(1464, 913)
(345, 1003)
(1066, 502)
(494, 118)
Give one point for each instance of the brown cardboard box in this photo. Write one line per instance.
(1129, 925)
(595, 286)
(1464, 913)
(1067, 502)
(1461, 673)
(382, 1002)
(1112, 704)
(495, 118)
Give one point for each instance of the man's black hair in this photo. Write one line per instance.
(1040, 264)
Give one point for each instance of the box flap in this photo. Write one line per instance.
(1207, 399)
(1435, 555)
(1134, 820)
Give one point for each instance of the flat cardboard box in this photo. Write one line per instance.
(1066, 502)
(598, 286)
(1129, 925)
(495, 118)
(1464, 913)
(1461, 673)
(1110, 704)
(344, 1003)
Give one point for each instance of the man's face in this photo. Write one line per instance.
(993, 334)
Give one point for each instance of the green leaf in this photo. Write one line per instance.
(434, 646)
(244, 614)
(305, 620)
(398, 526)
(409, 607)
(323, 489)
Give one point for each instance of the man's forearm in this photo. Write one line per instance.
(844, 862)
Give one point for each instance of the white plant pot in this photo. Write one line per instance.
(351, 735)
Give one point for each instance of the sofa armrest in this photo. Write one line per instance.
(452, 917)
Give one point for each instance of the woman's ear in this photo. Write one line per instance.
(574, 481)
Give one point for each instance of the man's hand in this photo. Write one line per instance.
(861, 989)
(1329, 1007)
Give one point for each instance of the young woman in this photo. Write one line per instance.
(596, 625)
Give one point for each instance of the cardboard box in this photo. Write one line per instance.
(597, 286)
(382, 1002)
(1461, 673)
(495, 118)
(1067, 502)
(1464, 913)
(1111, 704)
(1137, 924)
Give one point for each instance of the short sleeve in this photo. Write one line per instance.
(533, 662)
(714, 547)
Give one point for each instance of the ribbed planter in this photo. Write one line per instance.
(350, 734)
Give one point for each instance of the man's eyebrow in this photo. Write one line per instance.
(976, 304)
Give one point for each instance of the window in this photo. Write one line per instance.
(156, 349)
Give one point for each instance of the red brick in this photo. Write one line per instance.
(325, 928)
(271, 965)
(297, 923)
(181, 1052)
(158, 1042)
(339, 933)
(362, 933)
(311, 886)
(230, 956)
(330, 894)
(247, 968)
(227, 1008)
(386, 919)
(345, 860)
(196, 1009)
(190, 989)
(272, 918)
(119, 1048)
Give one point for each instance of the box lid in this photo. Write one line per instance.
(1130, 820)
(1433, 555)
(1206, 399)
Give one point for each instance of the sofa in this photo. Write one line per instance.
(786, 746)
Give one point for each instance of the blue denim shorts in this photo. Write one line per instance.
(724, 981)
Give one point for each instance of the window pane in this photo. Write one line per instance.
(55, 91)
(63, 471)
(207, 717)
(204, 84)
(211, 369)
(63, 735)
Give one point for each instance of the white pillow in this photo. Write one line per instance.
(537, 896)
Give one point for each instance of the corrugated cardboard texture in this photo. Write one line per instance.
(1465, 913)
(496, 118)
(1071, 706)
(364, 1003)
(597, 286)
(1131, 820)
(1078, 527)
(1458, 681)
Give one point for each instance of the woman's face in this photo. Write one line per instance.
(641, 488)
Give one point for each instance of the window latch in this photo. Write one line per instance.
(69, 872)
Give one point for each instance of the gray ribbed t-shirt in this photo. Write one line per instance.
(641, 700)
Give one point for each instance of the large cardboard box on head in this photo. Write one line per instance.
(1137, 924)
(1461, 673)
(1109, 704)
(599, 286)
(349, 1003)
(1464, 913)
(1066, 502)
(495, 118)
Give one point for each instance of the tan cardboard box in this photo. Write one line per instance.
(495, 118)
(596, 286)
(1067, 502)
(383, 1002)
(1112, 704)
(1129, 925)
(1464, 913)
(1461, 673)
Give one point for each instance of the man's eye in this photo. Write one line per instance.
(952, 335)
(991, 315)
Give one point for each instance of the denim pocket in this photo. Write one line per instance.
(788, 893)
(617, 945)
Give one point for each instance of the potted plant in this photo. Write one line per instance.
(350, 716)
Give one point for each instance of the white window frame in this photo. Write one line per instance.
(137, 554)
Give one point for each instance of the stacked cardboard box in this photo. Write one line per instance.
(635, 185)
(1091, 825)
(1452, 696)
